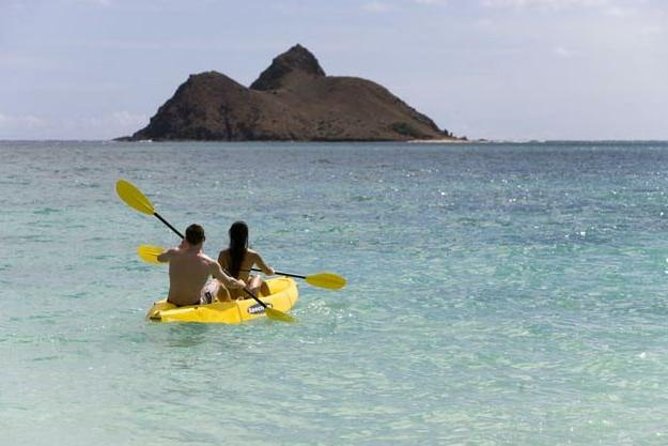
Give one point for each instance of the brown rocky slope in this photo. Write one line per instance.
(294, 100)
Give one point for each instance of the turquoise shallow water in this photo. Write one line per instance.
(498, 294)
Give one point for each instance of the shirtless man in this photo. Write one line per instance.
(189, 270)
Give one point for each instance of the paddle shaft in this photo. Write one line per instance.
(176, 231)
(323, 279)
(250, 293)
(282, 274)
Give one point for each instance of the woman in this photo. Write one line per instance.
(238, 259)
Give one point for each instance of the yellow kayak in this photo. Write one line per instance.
(283, 294)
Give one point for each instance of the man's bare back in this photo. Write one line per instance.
(189, 270)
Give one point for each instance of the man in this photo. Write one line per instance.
(189, 270)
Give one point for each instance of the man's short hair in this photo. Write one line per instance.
(195, 234)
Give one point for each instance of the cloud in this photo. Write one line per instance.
(652, 30)
(552, 4)
(621, 9)
(125, 119)
(563, 52)
(430, 2)
(618, 11)
(8, 122)
(91, 2)
(110, 125)
(376, 6)
(391, 5)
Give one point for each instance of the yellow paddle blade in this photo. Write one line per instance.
(133, 197)
(150, 253)
(326, 280)
(279, 315)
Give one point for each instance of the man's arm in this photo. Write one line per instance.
(166, 256)
(218, 273)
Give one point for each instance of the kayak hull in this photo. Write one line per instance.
(282, 296)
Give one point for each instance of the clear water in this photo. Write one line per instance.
(498, 294)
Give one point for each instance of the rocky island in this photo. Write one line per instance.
(292, 100)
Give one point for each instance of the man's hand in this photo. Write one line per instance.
(238, 284)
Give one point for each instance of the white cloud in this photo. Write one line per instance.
(111, 125)
(124, 119)
(430, 2)
(389, 5)
(652, 30)
(376, 6)
(618, 11)
(563, 52)
(552, 4)
(8, 122)
(92, 2)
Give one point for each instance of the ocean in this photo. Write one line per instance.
(498, 294)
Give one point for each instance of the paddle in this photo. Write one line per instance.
(322, 279)
(134, 198)
(150, 253)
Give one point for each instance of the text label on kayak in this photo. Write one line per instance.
(257, 309)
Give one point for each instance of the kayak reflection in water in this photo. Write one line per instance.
(238, 260)
(190, 269)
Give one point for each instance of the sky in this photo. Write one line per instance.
(495, 69)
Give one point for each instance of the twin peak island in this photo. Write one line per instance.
(292, 100)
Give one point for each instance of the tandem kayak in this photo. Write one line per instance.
(283, 294)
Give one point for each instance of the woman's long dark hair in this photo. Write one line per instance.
(238, 245)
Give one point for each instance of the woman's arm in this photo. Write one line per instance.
(259, 261)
